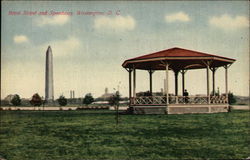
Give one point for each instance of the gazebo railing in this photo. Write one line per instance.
(161, 100)
(188, 99)
(219, 99)
(153, 100)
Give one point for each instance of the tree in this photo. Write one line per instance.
(231, 98)
(62, 101)
(36, 100)
(114, 101)
(16, 101)
(88, 99)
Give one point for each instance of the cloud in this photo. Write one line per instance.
(177, 17)
(64, 47)
(55, 20)
(118, 23)
(227, 22)
(20, 39)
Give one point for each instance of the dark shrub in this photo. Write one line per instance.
(36, 100)
(88, 99)
(62, 101)
(231, 98)
(16, 101)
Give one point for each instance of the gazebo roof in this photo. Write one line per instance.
(178, 59)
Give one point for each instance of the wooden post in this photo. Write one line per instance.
(183, 81)
(129, 71)
(176, 82)
(207, 64)
(213, 71)
(134, 83)
(150, 81)
(226, 81)
(208, 90)
(166, 85)
(213, 76)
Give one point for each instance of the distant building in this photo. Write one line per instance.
(25, 101)
(9, 97)
(7, 100)
(106, 95)
(72, 94)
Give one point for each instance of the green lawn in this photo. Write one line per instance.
(94, 135)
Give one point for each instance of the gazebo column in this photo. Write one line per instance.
(166, 85)
(226, 81)
(208, 89)
(213, 76)
(207, 63)
(176, 82)
(213, 71)
(134, 82)
(150, 81)
(130, 86)
(183, 80)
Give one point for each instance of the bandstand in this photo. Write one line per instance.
(179, 61)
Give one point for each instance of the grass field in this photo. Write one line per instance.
(95, 135)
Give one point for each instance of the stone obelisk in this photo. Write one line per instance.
(49, 87)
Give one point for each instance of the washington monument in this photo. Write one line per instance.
(49, 87)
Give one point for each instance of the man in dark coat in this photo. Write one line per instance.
(185, 94)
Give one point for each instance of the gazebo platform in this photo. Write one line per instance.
(180, 109)
(195, 104)
(179, 61)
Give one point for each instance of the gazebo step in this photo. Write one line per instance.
(205, 108)
(149, 110)
(178, 109)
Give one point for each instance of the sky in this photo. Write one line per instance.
(91, 40)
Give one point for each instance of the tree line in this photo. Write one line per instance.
(37, 100)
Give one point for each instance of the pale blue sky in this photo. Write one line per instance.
(89, 50)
